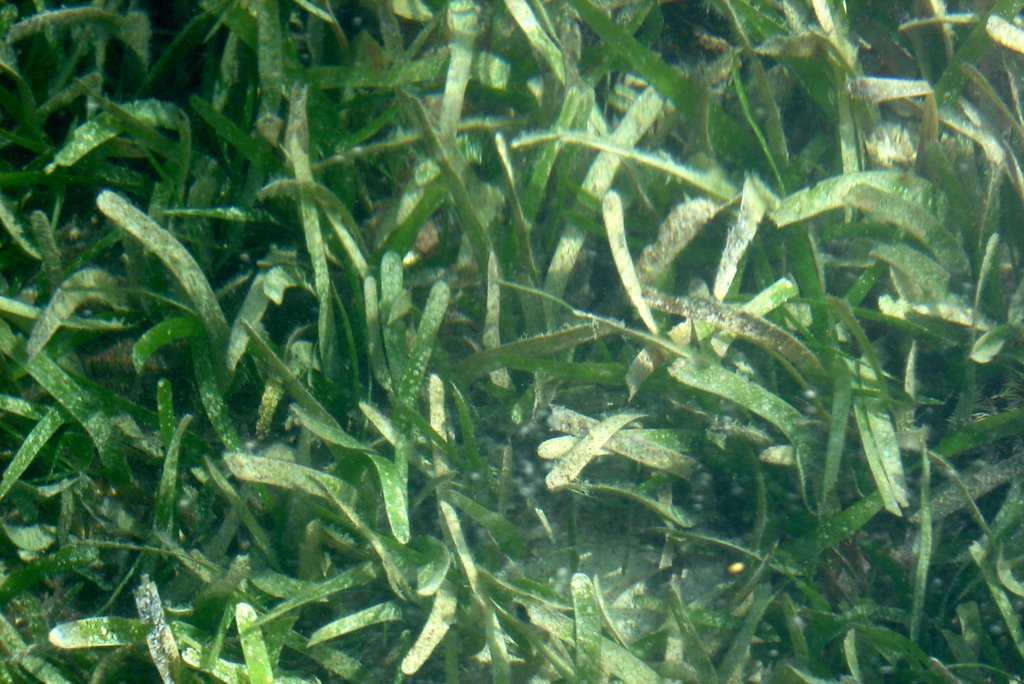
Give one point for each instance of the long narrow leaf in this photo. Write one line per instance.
(179, 262)
(257, 660)
(30, 448)
(615, 227)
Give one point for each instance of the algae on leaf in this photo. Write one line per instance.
(556, 341)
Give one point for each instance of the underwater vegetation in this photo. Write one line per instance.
(522, 341)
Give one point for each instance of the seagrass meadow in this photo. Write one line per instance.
(516, 341)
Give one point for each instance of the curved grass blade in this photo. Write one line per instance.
(463, 26)
(395, 496)
(492, 318)
(577, 104)
(1002, 32)
(616, 230)
(507, 535)
(219, 596)
(80, 400)
(495, 634)
(15, 229)
(541, 43)
(633, 126)
(28, 574)
(205, 378)
(335, 491)
(297, 147)
(404, 73)
(991, 343)
(713, 182)
(166, 493)
(832, 193)
(440, 619)
(423, 344)
(18, 309)
(160, 335)
(421, 197)
(339, 224)
(754, 203)
(642, 115)
(588, 629)
(586, 449)
(600, 325)
(437, 560)
(36, 439)
(987, 430)
(918, 220)
(615, 660)
(700, 658)
(181, 265)
(381, 423)
(310, 593)
(59, 19)
(667, 512)
(678, 229)
(895, 197)
(108, 125)
(954, 312)
(743, 324)
(99, 632)
(229, 214)
(760, 305)
(1004, 571)
(220, 670)
(632, 444)
(21, 407)
(334, 660)
(1011, 617)
(833, 529)
(328, 431)
(755, 398)
(266, 287)
(796, 626)
(850, 652)
(43, 233)
(245, 513)
(844, 311)
(550, 343)
(257, 660)
(877, 90)
(454, 528)
(964, 490)
(882, 452)
(90, 285)
(367, 617)
(917, 277)
(924, 558)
